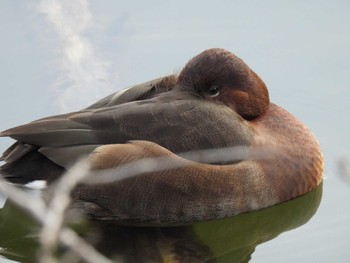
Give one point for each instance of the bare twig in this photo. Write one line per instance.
(36, 207)
(157, 164)
(343, 167)
(56, 209)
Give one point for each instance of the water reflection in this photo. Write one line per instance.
(228, 240)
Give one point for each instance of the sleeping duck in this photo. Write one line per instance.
(216, 102)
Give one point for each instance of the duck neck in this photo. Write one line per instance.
(297, 164)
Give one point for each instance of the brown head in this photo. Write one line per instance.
(221, 76)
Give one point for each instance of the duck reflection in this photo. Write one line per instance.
(231, 239)
(228, 240)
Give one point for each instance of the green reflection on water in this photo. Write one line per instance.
(234, 239)
(227, 240)
(18, 236)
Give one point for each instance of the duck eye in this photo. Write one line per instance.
(214, 91)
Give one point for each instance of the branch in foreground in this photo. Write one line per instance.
(36, 207)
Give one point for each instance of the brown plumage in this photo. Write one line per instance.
(216, 101)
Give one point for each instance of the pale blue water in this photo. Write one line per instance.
(300, 49)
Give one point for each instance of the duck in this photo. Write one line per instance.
(215, 102)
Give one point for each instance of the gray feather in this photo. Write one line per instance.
(66, 156)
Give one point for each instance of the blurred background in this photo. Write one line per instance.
(59, 56)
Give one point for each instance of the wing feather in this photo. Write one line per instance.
(66, 156)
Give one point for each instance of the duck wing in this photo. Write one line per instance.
(178, 125)
(137, 92)
(49, 127)
(25, 162)
(169, 116)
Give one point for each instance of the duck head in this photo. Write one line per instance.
(219, 75)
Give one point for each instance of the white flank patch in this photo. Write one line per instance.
(36, 185)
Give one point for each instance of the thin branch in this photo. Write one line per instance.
(57, 206)
(157, 164)
(36, 207)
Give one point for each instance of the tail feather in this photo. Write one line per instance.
(26, 169)
(16, 151)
